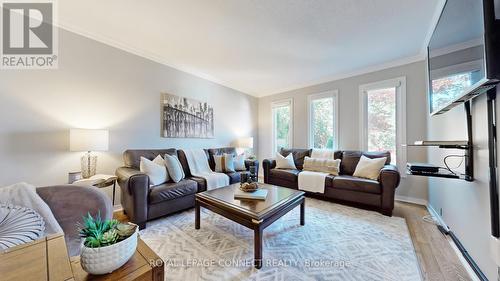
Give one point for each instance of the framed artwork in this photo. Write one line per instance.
(186, 118)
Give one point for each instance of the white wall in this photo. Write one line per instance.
(465, 205)
(414, 188)
(98, 86)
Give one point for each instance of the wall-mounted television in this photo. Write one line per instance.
(463, 56)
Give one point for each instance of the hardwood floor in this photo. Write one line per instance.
(437, 259)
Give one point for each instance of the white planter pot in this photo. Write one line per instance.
(107, 259)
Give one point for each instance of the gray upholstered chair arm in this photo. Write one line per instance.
(69, 203)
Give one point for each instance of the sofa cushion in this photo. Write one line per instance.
(234, 177)
(298, 155)
(287, 175)
(350, 160)
(356, 184)
(172, 190)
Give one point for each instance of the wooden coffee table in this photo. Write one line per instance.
(254, 214)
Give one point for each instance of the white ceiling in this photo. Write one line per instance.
(259, 47)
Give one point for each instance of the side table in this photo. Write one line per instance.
(100, 181)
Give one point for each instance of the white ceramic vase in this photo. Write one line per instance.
(105, 260)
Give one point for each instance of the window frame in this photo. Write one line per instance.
(276, 104)
(310, 98)
(400, 84)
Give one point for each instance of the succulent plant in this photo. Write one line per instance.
(125, 229)
(109, 237)
(101, 233)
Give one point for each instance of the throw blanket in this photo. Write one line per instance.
(23, 194)
(198, 166)
(315, 181)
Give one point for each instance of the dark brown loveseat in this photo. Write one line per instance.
(344, 188)
(142, 202)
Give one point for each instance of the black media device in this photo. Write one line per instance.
(422, 168)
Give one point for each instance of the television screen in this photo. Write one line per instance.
(497, 9)
(456, 52)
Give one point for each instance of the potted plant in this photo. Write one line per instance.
(106, 245)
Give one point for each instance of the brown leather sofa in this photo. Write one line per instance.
(344, 188)
(142, 203)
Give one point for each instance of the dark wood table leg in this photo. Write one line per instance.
(196, 215)
(114, 189)
(302, 212)
(257, 243)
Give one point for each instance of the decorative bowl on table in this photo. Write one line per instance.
(107, 244)
(249, 187)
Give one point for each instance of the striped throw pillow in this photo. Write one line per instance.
(224, 163)
(324, 165)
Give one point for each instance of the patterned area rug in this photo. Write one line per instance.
(337, 243)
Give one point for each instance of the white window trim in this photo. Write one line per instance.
(333, 94)
(400, 85)
(280, 103)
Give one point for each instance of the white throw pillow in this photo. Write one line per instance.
(324, 165)
(239, 163)
(174, 168)
(285, 162)
(369, 168)
(156, 170)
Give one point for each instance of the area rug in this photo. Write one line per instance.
(336, 243)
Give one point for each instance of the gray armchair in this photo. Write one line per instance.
(69, 203)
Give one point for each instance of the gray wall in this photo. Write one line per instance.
(349, 104)
(98, 86)
(465, 205)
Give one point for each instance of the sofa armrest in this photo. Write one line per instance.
(389, 179)
(267, 165)
(70, 203)
(134, 190)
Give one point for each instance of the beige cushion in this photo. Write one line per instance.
(324, 165)
(369, 168)
(224, 163)
(156, 170)
(285, 162)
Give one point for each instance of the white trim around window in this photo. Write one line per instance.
(333, 94)
(400, 85)
(281, 103)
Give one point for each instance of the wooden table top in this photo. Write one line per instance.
(277, 197)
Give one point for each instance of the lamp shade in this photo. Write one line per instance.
(88, 140)
(245, 142)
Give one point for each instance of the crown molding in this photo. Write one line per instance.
(159, 59)
(344, 75)
(145, 54)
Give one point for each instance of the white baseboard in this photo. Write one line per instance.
(436, 216)
(412, 200)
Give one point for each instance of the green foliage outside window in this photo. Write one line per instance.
(322, 123)
(282, 129)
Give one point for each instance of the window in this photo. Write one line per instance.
(323, 120)
(383, 120)
(282, 112)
